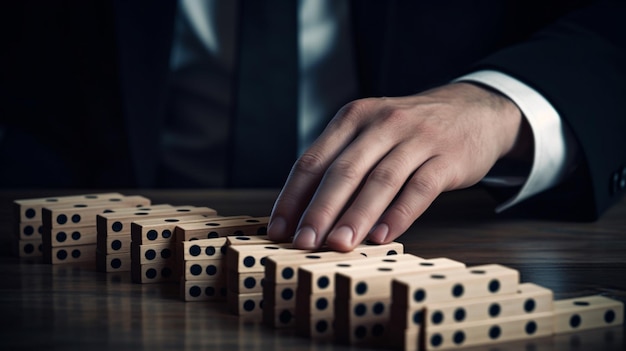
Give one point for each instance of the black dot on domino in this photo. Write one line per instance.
(417, 317)
(29, 248)
(459, 314)
(166, 253)
(458, 337)
(152, 234)
(117, 226)
(321, 304)
(249, 305)
(166, 234)
(61, 237)
(436, 340)
(76, 253)
(29, 230)
(323, 282)
(529, 305)
(494, 309)
(195, 269)
(195, 291)
(609, 316)
(116, 245)
(531, 328)
(61, 255)
(249, 261)
(378, 330)
(195, 250)
(262, 261)
(30, 213)
(494, 286)
(360, 288)
(76, 218)
(151, 273)
(209, 291)
(378, 308)
(575, 321)
(249, 282)
(391, 252)
(116, 263)
(285, 317)
(75, 236)
(287, 273)
(437, 317)
(287, 294)
(321, 326)
(61, 219)
(360, 332)
(360, 310)
(457, 290)
(209, 251)
(494, 332)
(419, 295)
(212, 235)
(150, 254)
(211, 270)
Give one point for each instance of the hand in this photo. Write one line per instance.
(382, 161)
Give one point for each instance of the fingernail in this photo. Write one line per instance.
(305, 238)
(276, 229)
(379, 233)
(342, 236)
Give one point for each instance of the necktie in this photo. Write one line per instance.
(265, 117)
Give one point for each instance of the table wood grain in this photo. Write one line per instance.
(64, 307)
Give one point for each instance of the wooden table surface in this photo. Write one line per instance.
(76, 308)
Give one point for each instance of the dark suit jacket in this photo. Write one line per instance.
(85, 85)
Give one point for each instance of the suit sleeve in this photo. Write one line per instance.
(579, 65)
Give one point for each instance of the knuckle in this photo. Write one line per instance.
(426, 185)
(345, 169)
(309, 163)
(388, 177)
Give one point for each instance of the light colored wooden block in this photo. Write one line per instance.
(245, 283)
(359, 321)
(112, 244)
(157, 230)
(283, 268)
(321, 304)
(414, 290)
(119, 262)
(319, 278)
(161, 272)
(28, 248)
(70, 254)
(587, 312)
(29, 230)
(209, 290)
(82, 214)
(249, 305)
(280, 295)
(249, 240)
(251, 258)
(489, 331)
(245, 226)
(367, 282)
(204, 270)
(152, 253)
(29, 210)
(57, 237)
(117, 223)
(203, 249)
(529, 298)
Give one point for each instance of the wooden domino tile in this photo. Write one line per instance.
(280, 295)
(30, 230)
(246, 304)
(279, 316)
(157, 230)
(479, 281)
(120, 262)
(588, 312)
(321, 304)
(28, 248)
(29, 210)
(249, 240)
(204, 270)
(251, 258)
(488, 331)
(55, 237)
(151, 253)
(376, 281)
(154, 273)
(316, 327)
(70, 254)
(219, 227)
(117, 223)
(84, 214)
(112, 244)
(203, 249)
(208, 290)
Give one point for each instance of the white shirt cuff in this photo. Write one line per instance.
(551, 156)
